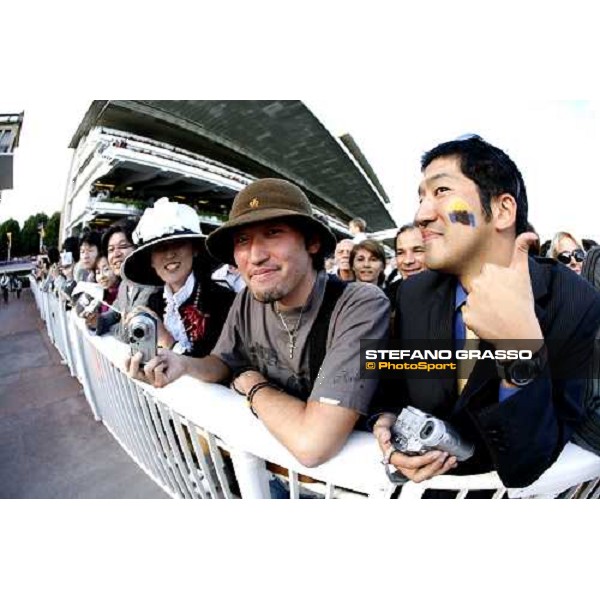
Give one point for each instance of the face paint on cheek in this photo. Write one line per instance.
(460, 212)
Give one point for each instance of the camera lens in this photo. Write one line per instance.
(427, 430)
(138, 332)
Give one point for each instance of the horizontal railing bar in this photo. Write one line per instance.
(151, 425)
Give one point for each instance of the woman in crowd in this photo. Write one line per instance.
(53, 269)
(191, 308)
(89, 251)
(109, 281)
(117, 245)
(368, 262)
(567, 250)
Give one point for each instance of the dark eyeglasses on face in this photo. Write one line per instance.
(565, 257)
(121, 247)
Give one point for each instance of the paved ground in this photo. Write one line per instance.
(50, 445)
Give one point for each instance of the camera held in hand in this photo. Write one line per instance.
(416, 432)
(86, 306)
(141, 331)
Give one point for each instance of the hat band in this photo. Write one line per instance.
(184, 231)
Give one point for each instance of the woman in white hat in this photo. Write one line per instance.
(171, 253)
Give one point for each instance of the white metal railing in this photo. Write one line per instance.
(199, 440)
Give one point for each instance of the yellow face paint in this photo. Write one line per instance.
(459, 211)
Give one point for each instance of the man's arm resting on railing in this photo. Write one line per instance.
(312, 431)
(168, 366)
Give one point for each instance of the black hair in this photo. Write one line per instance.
(309, 233)
(71, 244)
(545, 247)
(407, 227)
(125, 228)
(53, 255)
(91, 238)
(490, 168)
(534, 249)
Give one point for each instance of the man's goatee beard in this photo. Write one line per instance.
(267, 297)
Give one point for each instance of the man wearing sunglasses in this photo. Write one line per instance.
(565, 249)
(484, 289)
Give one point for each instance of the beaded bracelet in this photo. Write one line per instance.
(252, 391)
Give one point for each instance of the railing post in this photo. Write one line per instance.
(84, 374)
(251, 474)
(66, 337)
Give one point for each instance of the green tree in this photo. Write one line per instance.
(30, 234)
(52, 229)
(10, 226)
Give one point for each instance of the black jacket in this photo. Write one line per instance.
(522, 436)
(213, 302)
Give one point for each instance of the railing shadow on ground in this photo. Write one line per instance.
(198, 440)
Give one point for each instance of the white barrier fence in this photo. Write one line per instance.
(199, 440)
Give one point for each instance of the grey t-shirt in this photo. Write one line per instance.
(254, 335)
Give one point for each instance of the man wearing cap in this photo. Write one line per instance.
(291, 342)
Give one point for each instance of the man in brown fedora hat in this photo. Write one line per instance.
(291, 342)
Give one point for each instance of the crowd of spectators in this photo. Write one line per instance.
(252, 306)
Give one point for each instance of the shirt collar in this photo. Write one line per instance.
(179, 297)
(461, 295)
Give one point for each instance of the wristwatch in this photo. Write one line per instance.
(521, 372)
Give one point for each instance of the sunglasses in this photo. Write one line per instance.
(565, 257)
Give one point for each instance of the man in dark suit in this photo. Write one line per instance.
(519, 415)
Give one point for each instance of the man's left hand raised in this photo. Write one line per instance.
(500, 306)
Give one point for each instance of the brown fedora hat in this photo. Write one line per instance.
(265, 200)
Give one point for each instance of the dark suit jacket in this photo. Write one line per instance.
(522, 436)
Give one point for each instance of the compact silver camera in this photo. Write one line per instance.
(141, 332)
(416, 432)
(86, 305)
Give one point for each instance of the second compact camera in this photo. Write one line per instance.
(141, 332)
(416, 432)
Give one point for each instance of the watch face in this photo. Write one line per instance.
(522, 372)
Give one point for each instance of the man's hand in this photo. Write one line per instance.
(500, 306)
(416, 468)
(164, 368)
(91, 320)
(243, 383)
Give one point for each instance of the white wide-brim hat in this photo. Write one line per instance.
(164, 222)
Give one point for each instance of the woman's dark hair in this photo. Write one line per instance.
(71, 244)
(376, 249)
(53, 255)
(490, 168)
(534, 249)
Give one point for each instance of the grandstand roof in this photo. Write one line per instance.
(263, 138)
